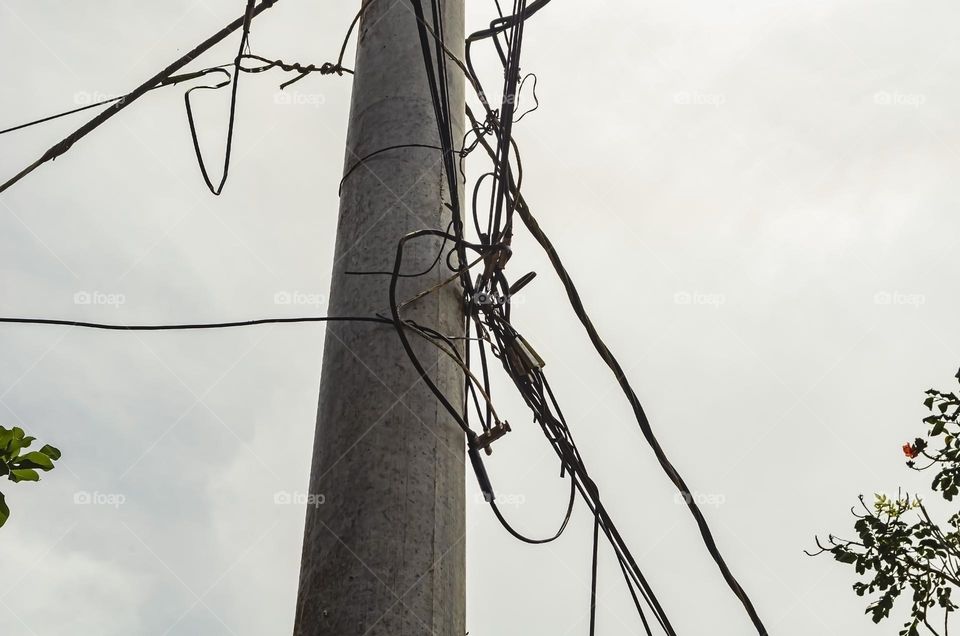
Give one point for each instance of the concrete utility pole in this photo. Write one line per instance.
(384, 554)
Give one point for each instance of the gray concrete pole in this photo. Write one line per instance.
(383, 555)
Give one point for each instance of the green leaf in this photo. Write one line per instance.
(17, 443)
(35, 459)
(51, 452)
(4, 510)
(24, 474)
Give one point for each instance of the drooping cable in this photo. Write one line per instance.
(67, 142)
(237, 67)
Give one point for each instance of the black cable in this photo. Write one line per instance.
(362, 160)
(59, 115)
(593, 577)
(506, 121)
(65, 144)
(327, 68)
(191, 326)
(237, 67)
(443, 129)
(353, 25)
(170, 81)
(398, 323)
(417, 275)
(533, 93)
(556, 535)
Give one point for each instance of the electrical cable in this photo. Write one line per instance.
(190, 326)
(244, 39)
(67, 142)
(170, 81)
(593, 577)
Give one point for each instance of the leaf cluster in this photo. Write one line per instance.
(899, 550)
(18, 464)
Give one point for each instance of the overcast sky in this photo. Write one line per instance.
(757, 199)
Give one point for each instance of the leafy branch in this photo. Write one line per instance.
(18, 466)
(898, 545)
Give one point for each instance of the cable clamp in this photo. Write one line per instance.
(523, 357)
(496, 432)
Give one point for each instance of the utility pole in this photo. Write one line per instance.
(384, 553)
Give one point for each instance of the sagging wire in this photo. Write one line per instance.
(235, 84)
(533, 94)
(191, 326)
(167, 77)
(67, 142)
(244, 54)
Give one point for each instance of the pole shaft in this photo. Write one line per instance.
(384, 554)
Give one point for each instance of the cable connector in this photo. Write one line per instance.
(483, 479)
(496, 432)
(523, 357)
